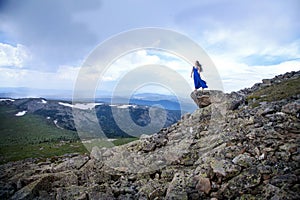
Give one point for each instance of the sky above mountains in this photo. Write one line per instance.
(43, 44)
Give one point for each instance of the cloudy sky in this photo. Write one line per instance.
(43, 44)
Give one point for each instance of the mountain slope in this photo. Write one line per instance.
(36, 127)
(31, 136)
(60, 114)
(241, 146)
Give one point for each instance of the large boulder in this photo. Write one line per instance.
(231, 101)
(204, 98)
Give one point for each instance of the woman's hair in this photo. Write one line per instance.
(199, 65)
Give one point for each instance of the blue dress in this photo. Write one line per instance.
(198, 82)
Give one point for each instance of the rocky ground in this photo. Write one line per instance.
(241, 145)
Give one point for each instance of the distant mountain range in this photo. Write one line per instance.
(60, 113)
(169, 102)
(25, 92)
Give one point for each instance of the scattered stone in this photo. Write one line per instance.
(176, 189)
(204, 185)
(244, 160)
(292, 108)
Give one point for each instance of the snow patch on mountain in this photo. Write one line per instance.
(127, 106)
(21, 113)
(43, 101)
(7, 100)
(87, 106)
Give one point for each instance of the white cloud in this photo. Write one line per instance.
(247, 41)
(242, 44)
(48, 28)
(126, 70)
(126, 64)
(63, 78)
(289, 50)
(13, 56)
(237, 75)
(66, 72)
(245, 58)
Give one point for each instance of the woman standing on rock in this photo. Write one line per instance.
(198, 82)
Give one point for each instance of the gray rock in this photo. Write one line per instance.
(176, 189)
(286, 180)
(245, 182)
(267, 82)
(206, 97)
(151, 190)
(244, 160)
(203, 185)
(292, 108)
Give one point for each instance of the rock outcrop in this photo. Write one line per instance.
(207, 97)
(234, 148)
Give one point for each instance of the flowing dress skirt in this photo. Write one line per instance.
(198, 82)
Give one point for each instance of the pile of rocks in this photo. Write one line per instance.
(268, 82)
(225, 150)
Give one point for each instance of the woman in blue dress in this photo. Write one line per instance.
(198, 82)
